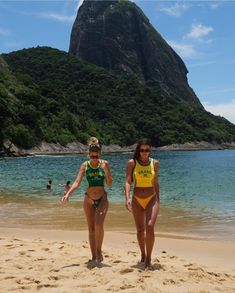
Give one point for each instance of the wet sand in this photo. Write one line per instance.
(23, 212)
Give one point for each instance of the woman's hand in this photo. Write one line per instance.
(108, 177)
(128, 205)
(104, 166)
(64, 199)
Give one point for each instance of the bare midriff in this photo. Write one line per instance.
(95, 192)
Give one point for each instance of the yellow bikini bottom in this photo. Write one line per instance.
(144, 201)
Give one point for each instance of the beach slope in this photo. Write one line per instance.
(56, 261)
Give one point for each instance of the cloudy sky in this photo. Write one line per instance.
(201, 32)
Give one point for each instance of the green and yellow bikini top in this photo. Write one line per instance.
(144, 175)
(95, 176)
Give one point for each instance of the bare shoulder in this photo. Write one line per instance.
(131, 163)
(83, 166)
(156, 163)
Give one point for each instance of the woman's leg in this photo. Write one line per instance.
(90, 216)
(139, 217)
(100, 214)
(151, 215)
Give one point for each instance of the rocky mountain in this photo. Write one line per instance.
(118, 36)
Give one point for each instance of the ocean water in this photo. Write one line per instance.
(197, 188)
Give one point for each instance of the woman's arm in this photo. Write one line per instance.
(108, 176)
(129, 178)
(156, 183)
(75, 185)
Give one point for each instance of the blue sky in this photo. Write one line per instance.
(201, 32)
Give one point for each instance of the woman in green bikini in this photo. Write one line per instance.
(143, 171)
(95, 204)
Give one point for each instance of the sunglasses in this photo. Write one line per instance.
(94, 157)
(145, 150)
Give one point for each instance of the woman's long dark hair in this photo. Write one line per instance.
(140, 142)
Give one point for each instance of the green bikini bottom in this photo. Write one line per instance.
(96, 202)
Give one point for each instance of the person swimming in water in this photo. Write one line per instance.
(66, 186)
(49, 185)
(97, 173)
(143, 171)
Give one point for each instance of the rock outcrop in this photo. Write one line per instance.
(118, 36)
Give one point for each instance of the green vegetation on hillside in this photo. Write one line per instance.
(53, 96)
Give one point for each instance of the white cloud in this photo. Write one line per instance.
(198, 31)
(4, 32)
(184, 50)
(226, 110)
(175, 10)
(57, 17)
(215, 5)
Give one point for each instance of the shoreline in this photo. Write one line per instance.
(11, 150)
(56, 261)
(24, 213)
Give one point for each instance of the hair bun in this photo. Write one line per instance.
(93, 140)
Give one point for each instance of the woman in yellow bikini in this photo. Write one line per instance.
(143, 171)
(95, 204)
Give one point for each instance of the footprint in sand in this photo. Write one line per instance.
(117, 261)
(23, 288)
(40, 258)
(54, 270)
(214, 274)
(9, 277)
(46, 249)
(189, 265)
(171, 282)
(32, 280)
(124, 287)
(46, 286)
(173, 257)
(53, 278)
(126, 271)
(10, 245)
(132, 252)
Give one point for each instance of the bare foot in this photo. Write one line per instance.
(90, 260)
(91, 263)
(149, 267)
(99, 258)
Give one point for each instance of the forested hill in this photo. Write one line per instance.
(49, 95)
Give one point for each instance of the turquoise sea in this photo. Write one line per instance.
(197, 191)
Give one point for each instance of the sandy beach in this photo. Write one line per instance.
(34, 260)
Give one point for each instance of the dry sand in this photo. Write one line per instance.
(55, 261)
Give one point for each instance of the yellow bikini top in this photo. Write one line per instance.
(144, 175)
